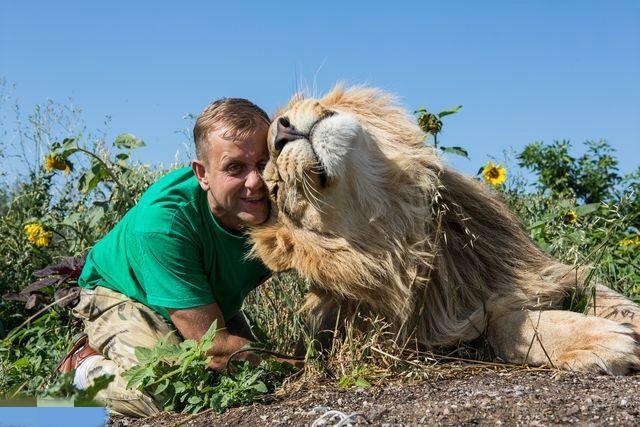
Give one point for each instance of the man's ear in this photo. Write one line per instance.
(200, 173)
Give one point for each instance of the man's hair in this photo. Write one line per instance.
(238, 117)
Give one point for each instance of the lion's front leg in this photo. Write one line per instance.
(607, 303)
(565, 340)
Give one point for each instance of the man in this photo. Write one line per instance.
(176, 261)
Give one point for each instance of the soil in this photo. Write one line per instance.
(488, 398)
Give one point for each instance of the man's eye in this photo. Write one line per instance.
(234, 169)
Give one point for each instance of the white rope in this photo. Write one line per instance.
(343, 420)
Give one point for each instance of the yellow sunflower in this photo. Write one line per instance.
(630, 242)
(494, 174)
(570, 216)
(57, 162)
(37, 235)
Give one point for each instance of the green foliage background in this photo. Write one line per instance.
(579, 209)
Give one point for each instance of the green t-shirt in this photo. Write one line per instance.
(170, 252)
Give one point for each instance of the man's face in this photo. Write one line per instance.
(230, 173)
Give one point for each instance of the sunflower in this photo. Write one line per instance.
(37, 235)
(430, 123)
(494, 174)
(57, 162)
(629, 242)
(570, 216)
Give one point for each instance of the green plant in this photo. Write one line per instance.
(63, 202)
(31, 351)
(591, 177)
(274, 312)
(179, 375)
(355, 378)
(594, 238)
(87, 208)
(63, 388)
(432, 124)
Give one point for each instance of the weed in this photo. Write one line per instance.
(179, 376)
(63, 388)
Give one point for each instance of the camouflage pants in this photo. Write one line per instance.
(115, 325)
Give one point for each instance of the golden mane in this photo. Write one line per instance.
(431, 248)
(381, 227)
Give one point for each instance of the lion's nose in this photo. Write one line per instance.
(286, 133)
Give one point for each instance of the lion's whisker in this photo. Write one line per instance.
(317, 171)
(310, 196)
(309, 192)
(311, 199)
(315, 190)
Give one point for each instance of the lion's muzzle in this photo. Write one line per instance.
(286, 133)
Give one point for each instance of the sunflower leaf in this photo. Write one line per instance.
(587, 209)
(458, 151)
(128, 141)
(449, 112)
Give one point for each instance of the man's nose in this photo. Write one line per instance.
(286, 133)
(254, 180)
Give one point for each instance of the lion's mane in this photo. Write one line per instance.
(430, 250)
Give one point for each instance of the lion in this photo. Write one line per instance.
(379, 224)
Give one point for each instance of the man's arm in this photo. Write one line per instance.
(193, 323)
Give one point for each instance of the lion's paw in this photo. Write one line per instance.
(603, 346)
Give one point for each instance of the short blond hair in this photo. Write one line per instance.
(238, 117)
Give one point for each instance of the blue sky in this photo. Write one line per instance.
(524, 71)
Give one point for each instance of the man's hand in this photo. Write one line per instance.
(193, 323)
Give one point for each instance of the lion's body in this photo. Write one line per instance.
(362, 208)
